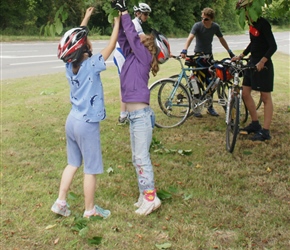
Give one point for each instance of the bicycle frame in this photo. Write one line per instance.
(183, 74)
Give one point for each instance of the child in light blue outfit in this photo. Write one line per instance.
(82, 125)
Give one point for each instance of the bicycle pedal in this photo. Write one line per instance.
(243, 132)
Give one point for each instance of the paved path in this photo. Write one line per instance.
(39, 58)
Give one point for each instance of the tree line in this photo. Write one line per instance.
(171, 17)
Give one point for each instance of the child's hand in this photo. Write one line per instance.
(117, 18)
(89, 11)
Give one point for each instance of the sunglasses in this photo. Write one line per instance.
(145, 14)
(205, 19)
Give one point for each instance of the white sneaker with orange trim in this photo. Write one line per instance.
(149, 204)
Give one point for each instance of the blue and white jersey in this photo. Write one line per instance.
(119, 58)
(86, 89)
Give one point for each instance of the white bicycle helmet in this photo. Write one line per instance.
(163, 47)
(72, 44)
(243, 4)
(142, 7)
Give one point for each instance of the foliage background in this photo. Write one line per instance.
(172, 17)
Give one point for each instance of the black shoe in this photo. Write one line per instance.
(251, 128)
(262, 135)
(198, 115)
(212, 112)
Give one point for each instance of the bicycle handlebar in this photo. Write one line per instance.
(194, 56)
(238, 65)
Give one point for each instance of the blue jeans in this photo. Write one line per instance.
(141, 128)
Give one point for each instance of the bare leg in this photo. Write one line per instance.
(249, 101)
(66, 180)
(268, 108)
(89, 191)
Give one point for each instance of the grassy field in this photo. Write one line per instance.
(211, 199)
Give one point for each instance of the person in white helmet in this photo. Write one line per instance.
(141, 13)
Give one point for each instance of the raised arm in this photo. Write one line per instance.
(87, 16)
(106, 52)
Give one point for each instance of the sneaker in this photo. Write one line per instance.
(122, 120)
(149, 204)
(198, 115)
(98, 212)
(262, 135)
(212, 112)
(59, 209)
(251, 128)
(140, 201)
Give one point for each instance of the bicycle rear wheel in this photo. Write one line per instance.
(170, 103)
(232, 129)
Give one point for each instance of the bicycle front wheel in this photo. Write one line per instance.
(170, 102)
(223, 90)
(232, 129)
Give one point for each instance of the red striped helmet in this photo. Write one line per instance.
(72, 44)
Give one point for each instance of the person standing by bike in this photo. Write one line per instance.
(204, 32)
(261, 48)
(142, 57)
(141, 12)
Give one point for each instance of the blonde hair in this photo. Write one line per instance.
(148, 41)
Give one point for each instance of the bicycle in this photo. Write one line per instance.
(175, 99)
(234, 102)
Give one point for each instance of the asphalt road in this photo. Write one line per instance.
(39, 58)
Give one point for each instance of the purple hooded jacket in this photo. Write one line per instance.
(134, 76)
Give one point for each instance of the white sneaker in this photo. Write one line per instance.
(148, 207)
(140, 201)
(61, 209)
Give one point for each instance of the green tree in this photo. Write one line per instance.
(278, 12)
(171, 17)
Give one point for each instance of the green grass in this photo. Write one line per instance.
(216, 200)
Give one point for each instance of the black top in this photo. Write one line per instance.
(262, 43)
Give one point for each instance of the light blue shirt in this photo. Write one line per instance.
(86, 89)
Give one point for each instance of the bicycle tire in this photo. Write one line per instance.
(232, 129)
(169, 112)
(222, 92)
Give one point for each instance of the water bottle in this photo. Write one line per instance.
(193, 84)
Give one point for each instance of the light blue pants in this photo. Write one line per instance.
(141, 128)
